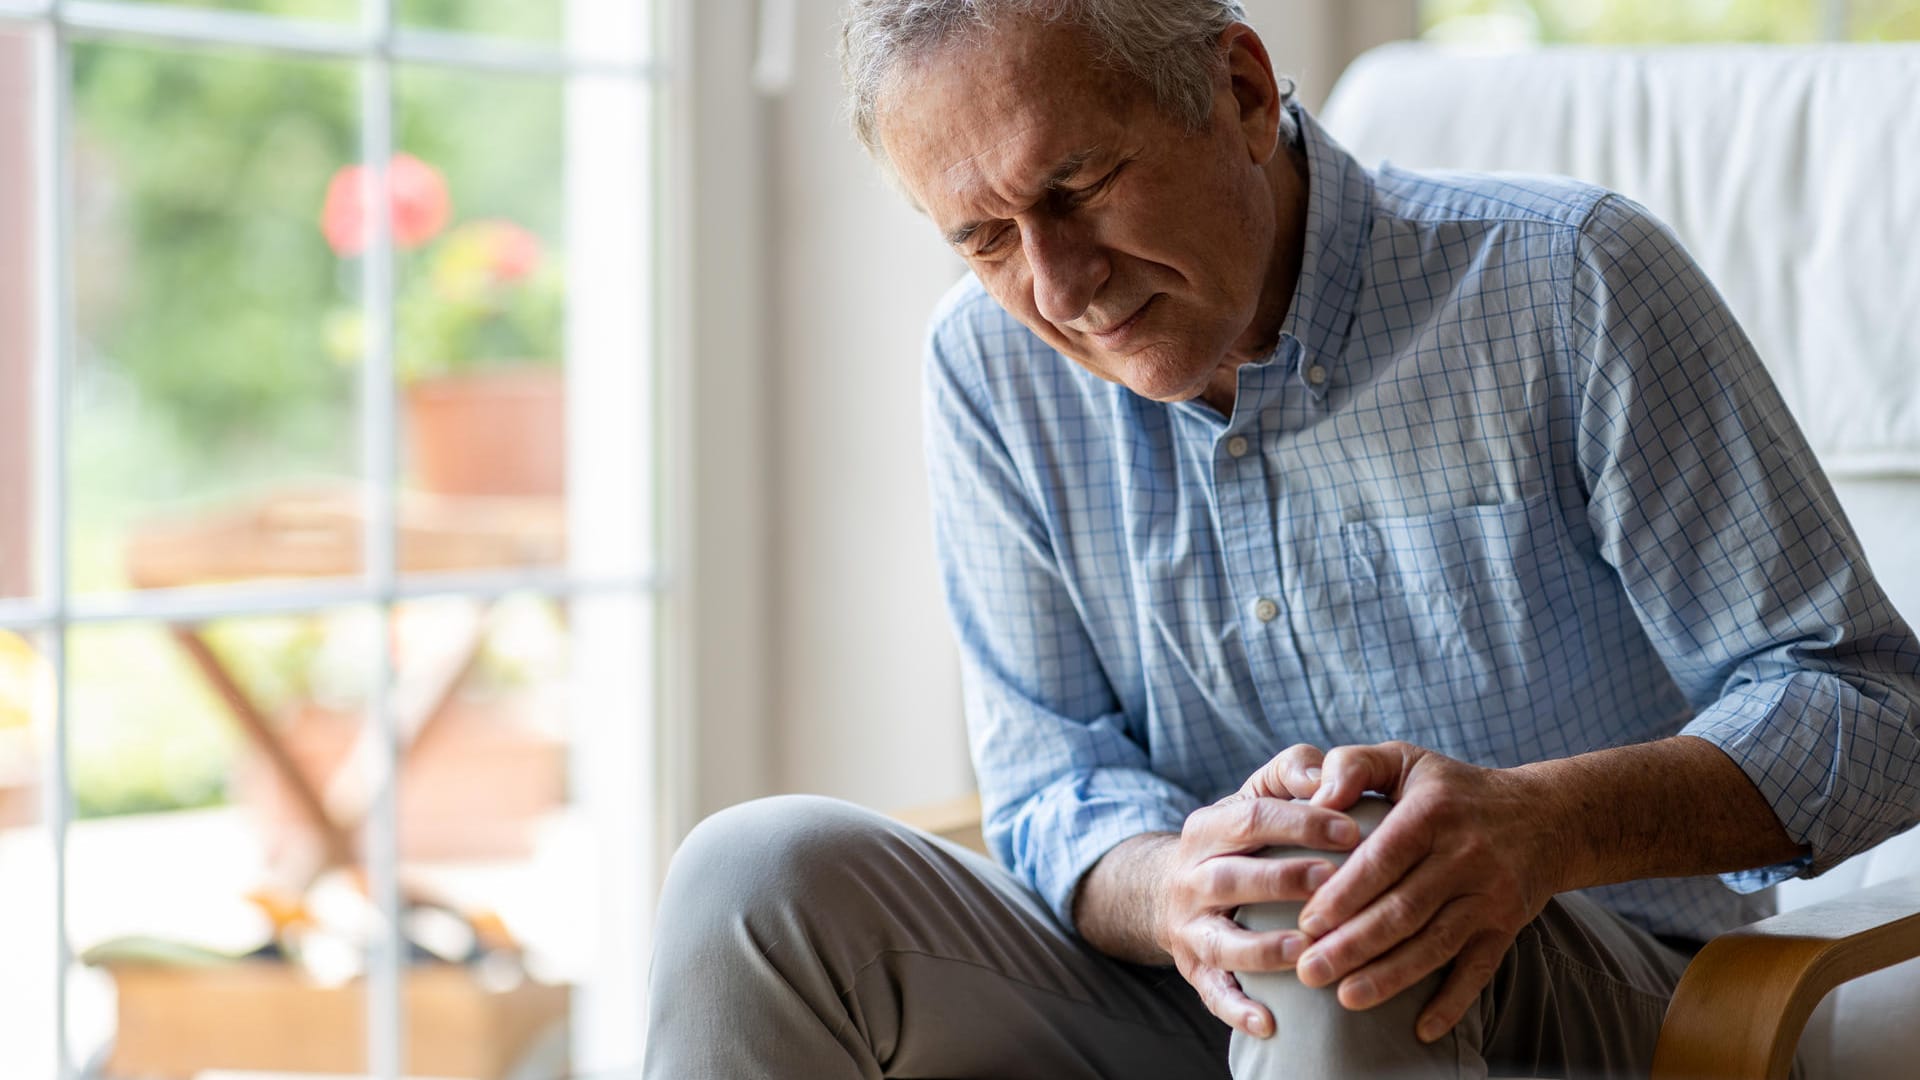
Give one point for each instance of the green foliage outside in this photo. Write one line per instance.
(146, 736)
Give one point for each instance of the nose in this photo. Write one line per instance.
(1068, 269)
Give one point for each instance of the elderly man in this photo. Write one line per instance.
(1264, 482)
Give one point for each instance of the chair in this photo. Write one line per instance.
(1790, 174)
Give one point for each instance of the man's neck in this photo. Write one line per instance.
(1290, 178)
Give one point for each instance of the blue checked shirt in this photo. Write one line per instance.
(1512, 486)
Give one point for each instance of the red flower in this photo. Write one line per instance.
(419, 199)
(516, 252)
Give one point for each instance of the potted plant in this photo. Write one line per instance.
(478, 325)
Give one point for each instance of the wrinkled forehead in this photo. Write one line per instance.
(1003, 110)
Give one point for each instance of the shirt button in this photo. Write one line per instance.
(1237, 446)
(1266, 610)
(1317, 375)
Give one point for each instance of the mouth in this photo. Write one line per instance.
(1117, 336)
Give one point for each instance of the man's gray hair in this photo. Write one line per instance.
(1171, 45)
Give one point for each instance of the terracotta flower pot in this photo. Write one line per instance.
(495, 431)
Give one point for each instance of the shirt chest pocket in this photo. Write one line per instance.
(1458, 615)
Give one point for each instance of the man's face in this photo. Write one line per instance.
(1138, 249)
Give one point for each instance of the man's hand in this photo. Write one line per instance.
(1464, 860)
(1216, 868)
(1467, 856)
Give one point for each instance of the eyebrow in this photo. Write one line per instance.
(1056, 180)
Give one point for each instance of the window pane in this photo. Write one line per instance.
(480, 310)
(1622, 21)
(27, 917)
(1886, 20)
(523, 810)
(524, 366)
(18, 343)
(215, 418)
(209, 931)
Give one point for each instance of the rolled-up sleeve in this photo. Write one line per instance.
(1061, 779)
(1706, 499)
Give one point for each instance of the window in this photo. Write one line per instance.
(1509, 22)
(328, 583)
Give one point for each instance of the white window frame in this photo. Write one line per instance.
(611, 1028)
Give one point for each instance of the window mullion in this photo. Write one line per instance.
(53, 229)
(386, 947)
(25, 9)
(204, 26)
(191, 26)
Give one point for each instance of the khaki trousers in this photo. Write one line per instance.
(808, 938)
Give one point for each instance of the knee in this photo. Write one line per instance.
(763, 856)
(1315, 1036)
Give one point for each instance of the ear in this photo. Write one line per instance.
(1253, 90)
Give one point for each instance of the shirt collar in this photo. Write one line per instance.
(1332, 267)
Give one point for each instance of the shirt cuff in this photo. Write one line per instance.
(1786, 749)
(1076, 821)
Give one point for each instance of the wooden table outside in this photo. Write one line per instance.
(268, 1016)
(317, 534)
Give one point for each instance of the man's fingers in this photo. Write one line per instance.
(1472, 971)
(1294, 773)
(1406, 964)
(1220, 942)
(1396, 915)
(1246, 825)
(1221, 994)
(1232, 880)
(1388, 856)
(1349, 772)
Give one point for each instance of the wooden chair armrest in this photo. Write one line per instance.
(1743, 1002)
(957, 820)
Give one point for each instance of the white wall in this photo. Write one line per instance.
(716, 629)
(864, 688)
(1313, 40)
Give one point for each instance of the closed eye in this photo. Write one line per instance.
(1078, 197)
(987, 239)
(993, 241)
